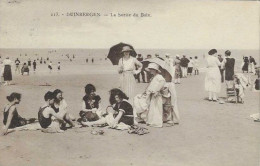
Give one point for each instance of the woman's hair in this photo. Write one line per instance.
(13, 96)
(49, 95)
(212, 51)
(114, 92)
(227, 53)
(89, 88)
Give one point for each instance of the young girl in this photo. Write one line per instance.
(122, 111)
(91, 108)
(11, 117)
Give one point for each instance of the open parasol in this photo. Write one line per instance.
(115, 53)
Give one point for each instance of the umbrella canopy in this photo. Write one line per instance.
(164, 67)
(115, 53)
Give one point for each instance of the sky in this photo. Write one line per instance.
(172, 25)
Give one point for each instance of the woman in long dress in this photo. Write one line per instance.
(245, 65)
(127, 69)
(177, 76)
(149, 105)
(213, 77)
(7, 71)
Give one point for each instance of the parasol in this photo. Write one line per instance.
(115, 53)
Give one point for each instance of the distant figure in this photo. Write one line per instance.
(196, 65)
(25, 68)
(221, 69)
(47, 58)
(229, 69)
(177, 76)
(29, 62)
(257, 81)
(190, 66)
(17, 65)
(7, 71)
(252, 64)
(92, 60)
(44, 62)
(59, 66)
(184, 64)
(245, 65)
(140, 59)
(148, 74)
(34, 65)
(73, 56)
(87, 60)
(50, 66)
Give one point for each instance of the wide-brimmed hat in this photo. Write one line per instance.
(153, 66)
(177, 55)
(126, 49)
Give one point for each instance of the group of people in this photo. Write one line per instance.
(221, 69)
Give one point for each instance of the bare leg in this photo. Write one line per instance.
(98, 122)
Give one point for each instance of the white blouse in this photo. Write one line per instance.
(130, 64)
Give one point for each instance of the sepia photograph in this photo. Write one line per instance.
(129, 83)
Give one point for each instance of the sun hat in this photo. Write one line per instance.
(126, 48)
(153, 66)
(177, 55)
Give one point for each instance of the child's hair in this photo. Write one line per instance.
(49, 95)
(114, 92)
(13, 96)
(89, 88)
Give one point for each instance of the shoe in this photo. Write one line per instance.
(214, 100)
(210, 99)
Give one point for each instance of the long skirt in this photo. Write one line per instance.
(127, 84)
(7, 73)
(213, 80)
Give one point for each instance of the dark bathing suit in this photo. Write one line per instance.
(44, 122)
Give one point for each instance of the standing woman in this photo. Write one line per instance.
(213, 77)
(177, 76)
(7, 71)
(245, 65)
(127, 69)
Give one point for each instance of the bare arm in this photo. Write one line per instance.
(9, 119)
(118, 117)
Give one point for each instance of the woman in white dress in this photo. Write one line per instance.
(149, 105)
(127, 69)
(213, 77)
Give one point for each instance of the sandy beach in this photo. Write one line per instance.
(209, 133)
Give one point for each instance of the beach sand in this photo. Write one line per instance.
(209, 133)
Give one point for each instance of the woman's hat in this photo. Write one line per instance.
(153, 66)
(126, 48)
(177, 55)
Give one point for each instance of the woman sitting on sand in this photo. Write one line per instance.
(149, 105)
(122, 111)
(25, 68)
(46, 113)
(91, 107)
(11, 117)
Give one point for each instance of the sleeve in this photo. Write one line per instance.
(125, 107)
(140, 66)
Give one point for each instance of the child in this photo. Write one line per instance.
(46, 112)
(122, 111)
(240, 84)
(91, 108)
(11, 117)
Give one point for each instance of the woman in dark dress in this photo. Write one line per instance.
(11, 117)
(122, 111)
(246, 63)
(229, 69)
(91, 108)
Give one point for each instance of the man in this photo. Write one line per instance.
(140, 59)
(17, 65)
(220, 69)
(184, 66)
(60, 106)
(228, 65)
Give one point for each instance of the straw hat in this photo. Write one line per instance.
(126, 48)
(153, 66)
(177, 55)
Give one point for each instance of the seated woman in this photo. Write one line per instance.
(46, 113)
(91, 107)
(11, 117)
(25, 68)
(149, 105)
(122, 111)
